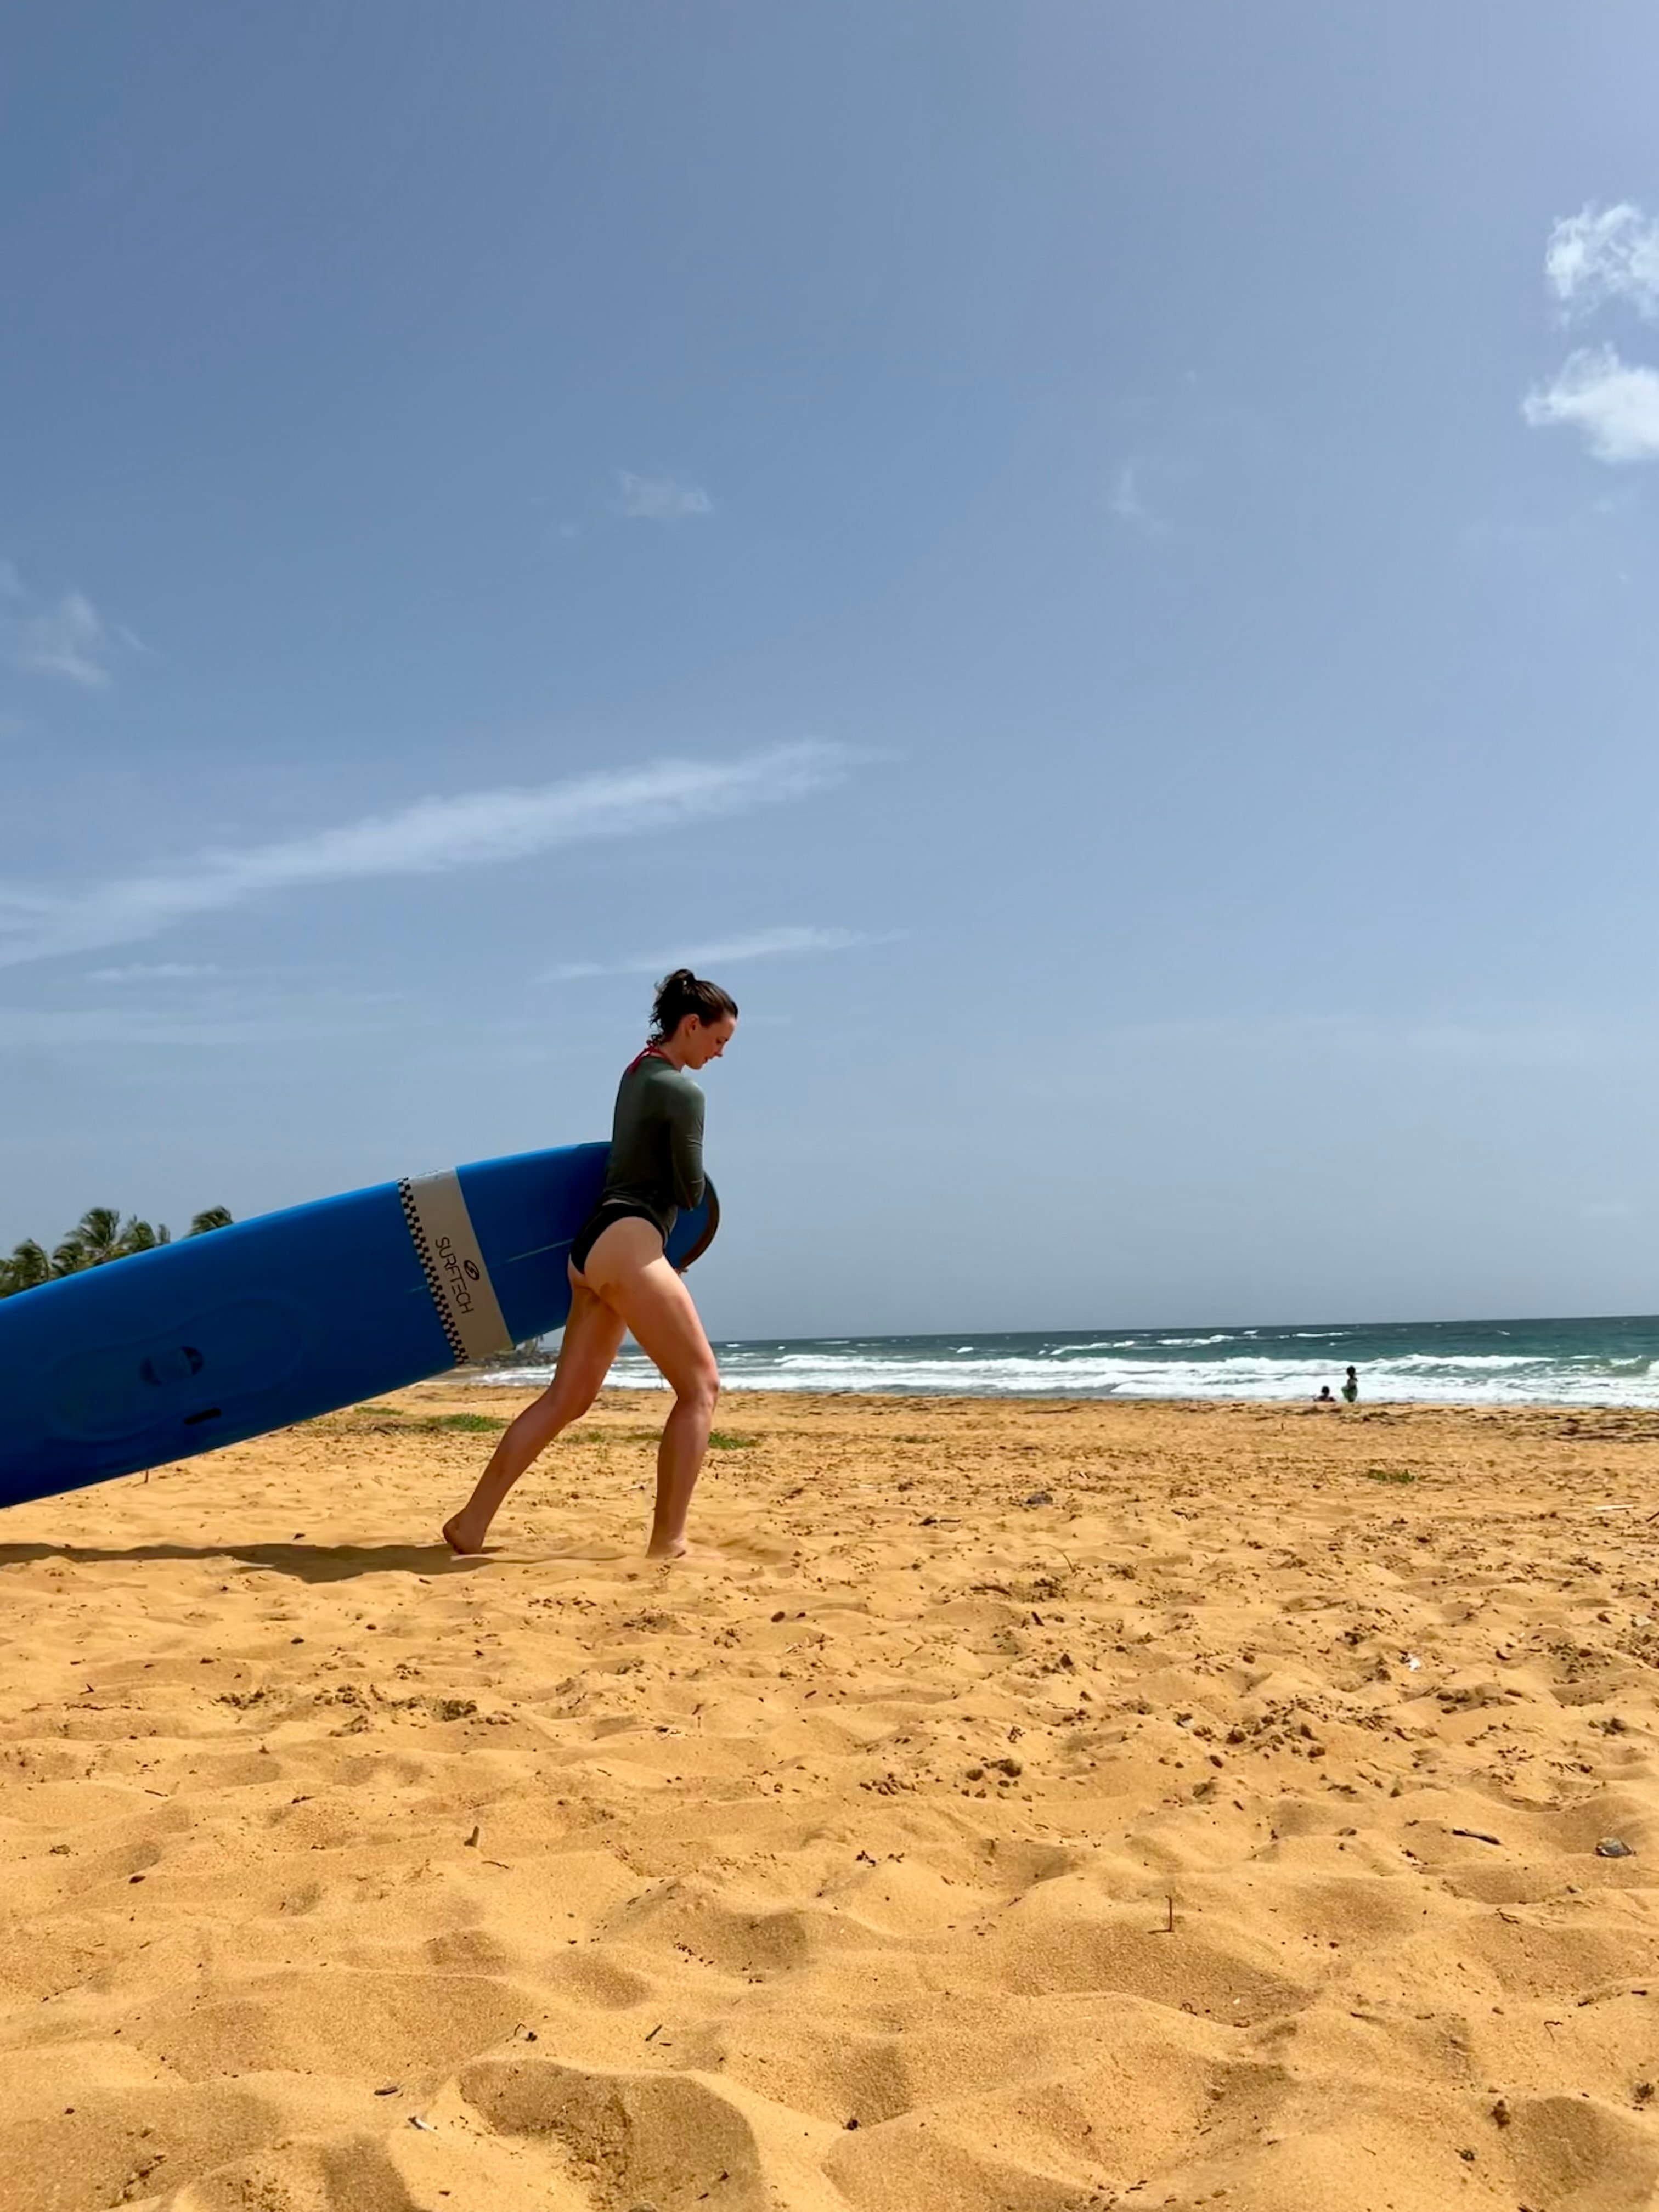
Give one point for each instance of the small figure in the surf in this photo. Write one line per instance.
(1324, 1397)
(1350, 1389)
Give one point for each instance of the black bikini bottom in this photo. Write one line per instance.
(615, 1209)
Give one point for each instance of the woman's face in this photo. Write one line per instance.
(699, 1042)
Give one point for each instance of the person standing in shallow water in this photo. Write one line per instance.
(1351, 1388)
(620, 1276)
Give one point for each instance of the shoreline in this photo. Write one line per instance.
(1605, 1361)
(1643, 1416)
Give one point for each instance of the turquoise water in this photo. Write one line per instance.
(1501, 1363)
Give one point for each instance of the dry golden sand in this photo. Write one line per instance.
(1039, 1807)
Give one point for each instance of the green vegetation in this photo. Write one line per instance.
(392, 1420)
(1389, 1474)
(719, 1439)
(98, 1237)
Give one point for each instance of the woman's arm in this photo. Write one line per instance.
(685, 1142)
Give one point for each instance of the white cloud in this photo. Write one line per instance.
(1517, 1045)
(434, 836)
(69, 639)
(661, 499)
(1614, 403)
(154, 971)
(1147, 488)
(52, 1029)
(1126, 501)
(1542, 1043)
(66, 637)
(1603, 254)
(723, 953)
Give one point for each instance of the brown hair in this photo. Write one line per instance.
(683, 994)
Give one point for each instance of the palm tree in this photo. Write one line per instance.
(95, 1238)
(98, 1236)
(140, 1237)
(29, 1264)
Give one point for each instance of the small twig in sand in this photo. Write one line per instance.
(1479, 1836)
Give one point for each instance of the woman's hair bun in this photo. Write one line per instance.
(682, 994)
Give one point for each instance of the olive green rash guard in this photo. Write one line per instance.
(656, 1141)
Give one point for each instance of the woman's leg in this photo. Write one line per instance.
(592, 1336)
(627, 1268)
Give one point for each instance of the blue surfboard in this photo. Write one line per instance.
(225, 1336)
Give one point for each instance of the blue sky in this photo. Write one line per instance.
(1097, 565)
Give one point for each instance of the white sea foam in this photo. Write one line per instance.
(1074, 1351)
(1561, 1364)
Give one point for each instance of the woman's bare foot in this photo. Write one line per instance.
(460, 1541)
(698, 1554)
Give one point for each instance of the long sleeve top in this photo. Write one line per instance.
(656, 1141)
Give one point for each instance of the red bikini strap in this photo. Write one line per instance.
(651, 1052)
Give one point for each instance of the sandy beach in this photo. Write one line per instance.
(1036, 1807)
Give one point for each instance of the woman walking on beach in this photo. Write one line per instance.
(620, 1276)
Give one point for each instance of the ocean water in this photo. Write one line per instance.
(1492, 1362)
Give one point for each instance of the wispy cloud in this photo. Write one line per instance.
(34, 1030)
(661, 499)
(66, 636)
(1613, 402)
(434, 836)
(69, 639)
(1128, 500)
(156, 971)
(1149, 488)
(723, 953)
(1519, 1044)
(1542, 1043)
(1603, 254)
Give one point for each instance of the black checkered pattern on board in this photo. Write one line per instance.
(434, 1281)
